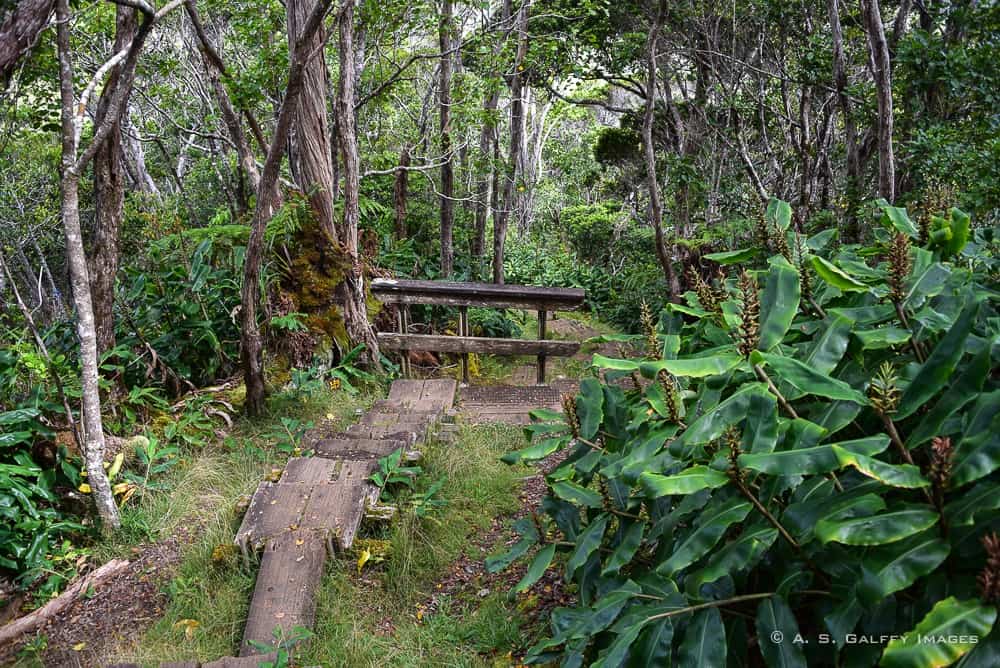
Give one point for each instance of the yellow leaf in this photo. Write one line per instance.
(363, 559)
(189, 626)
(299, 541)
(121, 487)
(84, 488)
(116, 465)
(331, 416)
(79, 646)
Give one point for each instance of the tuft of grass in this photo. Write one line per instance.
(378, 619)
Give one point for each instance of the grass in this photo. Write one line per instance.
(200, 495)
(377, 620)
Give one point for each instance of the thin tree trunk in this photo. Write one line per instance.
(310, 156)
(655, 204)
(882, 73)
(400, 190)
(22, 23)
(487, 138)
(445, 29)
(251, 341)
(109, 194)
(502, 217)
(852, 232)
(359, 329)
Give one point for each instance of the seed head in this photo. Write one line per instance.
(749, 328)
(989, 578)
(883, 391)
(569, 410)
(649, 327)
(899, 267)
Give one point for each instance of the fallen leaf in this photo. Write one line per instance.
(363, 559)
(189, 626)
(299, 541)
(84, 488)
(79, 646)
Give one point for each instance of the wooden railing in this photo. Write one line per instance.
(486, 295)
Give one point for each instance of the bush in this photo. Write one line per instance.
(820, 458)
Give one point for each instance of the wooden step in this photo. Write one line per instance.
(476, 344)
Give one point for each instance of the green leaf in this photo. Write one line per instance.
(948, 619)
(686, 482)
(760, 433)
(809, 461)
(19, 415)
(896, 217)
(882, 337)
(876, 529)
(574, 493)
(776, 630)
(712, 524)
(519, 549)
(807, 380)
(830, 346)
(940, 365)
(588, 541)
(590, 407)
(654, 645)
(613, 363)
(977, 453)
(983, 497)
(895, 475)
(779, 213)
(537, 567)
(623, 554)
(899, 565)
(779, 302)
(836, 276)
(732, 257)
(711, 425)
(704, 641)
(534, 452)
(819, 240)
(964, 389)
(733, 557)
(693, 367)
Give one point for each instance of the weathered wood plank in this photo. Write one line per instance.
(252, 661)
(476, 344)
(477, 294)
(404, 392)
(290, 571)
(357, 448)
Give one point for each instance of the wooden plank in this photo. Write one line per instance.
(252, 661)
(448, 293)
(440, 393)
(405, 391)
(290, 572)
(309, 469)
(335, 510)
(358, 448)
(477, 344)
(541, 356)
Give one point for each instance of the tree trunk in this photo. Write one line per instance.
(882, 73)
(22, 22)
(852, 232)
(109, 194)
(93, 451)
(310, 155)
(359, 330)
(400, 191)
(487, 138)
(251, 341)
(663, 253)
(501, 218)
(445, 29)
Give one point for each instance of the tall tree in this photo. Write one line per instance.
(359, 329)
(445, 31)
(20, 25)
(311, 157)
(881, 66)
(251, 341)
(109, 192)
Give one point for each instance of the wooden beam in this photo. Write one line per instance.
(446, 293)
(475, 344)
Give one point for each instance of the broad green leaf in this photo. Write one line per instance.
(964, 389)
(574, 493)
(760, 433)
(704, 641)
(693, 367)
(947, 619)
(894, 475)
(519, 549)
(712, 523)
(654, 645)
(866, 315)
(978, 451)
(876, 529)
(534, 452)
(779, 213)
(983, 497)
(537, 567)
(819, 240)
(776, 629)
(809, 461)
(620, 648)
(623, 554)
(830, 346)
(733, 557)
(588, 541)
(688, 310)
(897, 566)
(836, 276)
(686, 482)
(940, 365)
(710, 426)
(546, 415)
(779, 303)
(807, 380)
(896, 217)
(590, 407)
(19, 415)
(614, 363)
(732, 257)
(928, 283)
(882, 337)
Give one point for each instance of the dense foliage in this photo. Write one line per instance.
(811, 447)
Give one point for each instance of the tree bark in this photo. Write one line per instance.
(445, 29)
(487, 139)
(852, 232)
(19, 31)
(251, 341)
(359, 329)
(663, 253)
(310, 155)
(882, 73)
(501, 218)
(109, 194)
(400, 191)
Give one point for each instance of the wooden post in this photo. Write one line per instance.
(463, 330)
(404, 355)
(541, 336)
